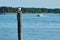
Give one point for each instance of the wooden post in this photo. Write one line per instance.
(19, 24)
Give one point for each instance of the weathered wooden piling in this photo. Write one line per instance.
(19, 20)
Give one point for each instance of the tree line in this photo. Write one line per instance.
(40, 10)
(28, 10)
(8, 10)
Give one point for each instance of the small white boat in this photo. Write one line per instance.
(40, 15)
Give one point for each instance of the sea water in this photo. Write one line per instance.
(8, 27)
(46, 27)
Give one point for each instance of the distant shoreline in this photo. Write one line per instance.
(5, 9)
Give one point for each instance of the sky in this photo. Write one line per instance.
(31, 3)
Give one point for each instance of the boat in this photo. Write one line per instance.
(40, 15)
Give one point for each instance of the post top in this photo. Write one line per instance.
(19, 11)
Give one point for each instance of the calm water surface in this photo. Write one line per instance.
(46, 27)
(8, 27)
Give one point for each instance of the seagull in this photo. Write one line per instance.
(19, 9)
